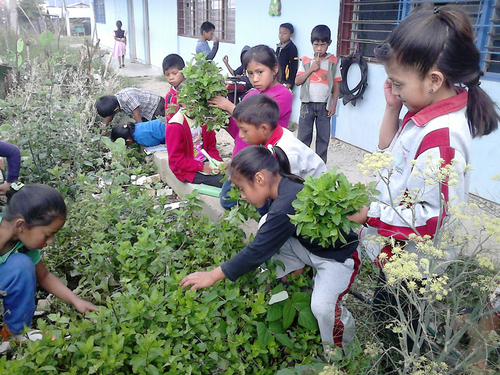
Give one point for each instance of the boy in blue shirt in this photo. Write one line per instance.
(207, 33)
(319, 77)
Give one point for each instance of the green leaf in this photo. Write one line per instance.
(284, 339)
(47, 368)
(274, 312)
(307, 320)
(46, 38)
(20, 45)
(263, 334)
(289, 313)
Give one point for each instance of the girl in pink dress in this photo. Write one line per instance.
(120, 44)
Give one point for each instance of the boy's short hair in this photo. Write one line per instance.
(106, 105)
(321, 33)
(206, 27)
(173, 61)
(257, 110)
(287, 25)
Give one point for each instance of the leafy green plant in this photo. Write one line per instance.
(323, 204)
(203, 81)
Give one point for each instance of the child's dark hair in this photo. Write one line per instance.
(207, 27)
(37, 204)
(263, 55)
(321, 33)
(443, 38)
(253, 159)
(119, 24)
(106, 105)
(258, 110)
(173, 61)
(123, 131)
(287, 25)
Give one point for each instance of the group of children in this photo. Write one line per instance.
(432, 66)
(318, 76)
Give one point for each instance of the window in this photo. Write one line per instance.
(192, 13)
(364, 24)
(99, 11)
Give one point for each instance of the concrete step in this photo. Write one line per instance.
(210, 206)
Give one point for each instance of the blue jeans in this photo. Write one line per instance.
(224, 199)
(18, 280)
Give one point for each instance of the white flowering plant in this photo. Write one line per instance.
(434, 278)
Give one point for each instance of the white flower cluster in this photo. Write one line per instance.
(374, 164)
(436, 171)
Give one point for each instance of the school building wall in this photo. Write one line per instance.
(357, 125)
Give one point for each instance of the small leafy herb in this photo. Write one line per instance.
(203, 81)
(323, 204)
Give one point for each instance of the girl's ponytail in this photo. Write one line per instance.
(253, 159)
(444, 37)
(481, 111)
(284, 164)
(460, 64)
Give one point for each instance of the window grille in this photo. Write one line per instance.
(99, 11)
(192, 13)
(364, 24)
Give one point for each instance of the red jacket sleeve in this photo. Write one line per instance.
(180, 150)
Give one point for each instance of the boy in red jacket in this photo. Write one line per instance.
(185, 141)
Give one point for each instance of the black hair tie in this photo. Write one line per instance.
(477, 81)
(437, 12)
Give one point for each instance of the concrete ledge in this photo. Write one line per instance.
(210, 206)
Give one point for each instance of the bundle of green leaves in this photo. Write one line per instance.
(203, 81)
(322, 207)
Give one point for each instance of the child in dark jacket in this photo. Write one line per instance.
(262, 174)
(288, 57)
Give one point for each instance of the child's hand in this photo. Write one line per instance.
(332, 109)
(361, 216)
(315, 64)
(84, 307)
(225, 59)
(207, 168)
(200, 280)
(216, 40)
(392, 100)
(220, 102)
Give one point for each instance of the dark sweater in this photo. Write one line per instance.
(288, 60)
(13, 156)
(273, 234)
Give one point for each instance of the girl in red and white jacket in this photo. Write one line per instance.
(432, 66)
